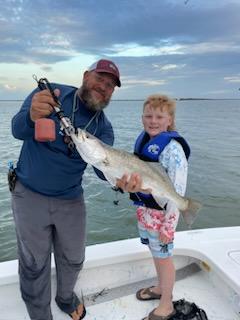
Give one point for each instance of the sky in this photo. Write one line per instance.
(182, 48)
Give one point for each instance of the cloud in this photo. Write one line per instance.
(168, 67)
(162, 43)
(145, 82)
(9, 87)
(135, 50)
(50, 33)
(232, 79)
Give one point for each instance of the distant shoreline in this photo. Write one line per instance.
(184, 99)
(180, 99)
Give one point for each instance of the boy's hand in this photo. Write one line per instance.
(131, 183)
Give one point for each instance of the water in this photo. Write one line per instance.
(211, 128)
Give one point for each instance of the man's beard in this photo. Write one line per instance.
(85, 94)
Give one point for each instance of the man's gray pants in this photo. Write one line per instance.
(44, 224)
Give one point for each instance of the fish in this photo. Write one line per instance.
(114, 163)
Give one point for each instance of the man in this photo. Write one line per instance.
(47, 201)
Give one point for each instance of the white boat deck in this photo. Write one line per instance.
(194, 288)
(114, 271)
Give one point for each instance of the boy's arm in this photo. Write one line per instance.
(176, 165)
(174, 160)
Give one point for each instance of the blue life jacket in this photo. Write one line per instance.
(149, 150)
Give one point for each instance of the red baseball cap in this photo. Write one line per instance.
(106, 66)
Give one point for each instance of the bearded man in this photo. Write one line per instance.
(47, 201)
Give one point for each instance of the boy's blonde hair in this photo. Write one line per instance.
(164, 103)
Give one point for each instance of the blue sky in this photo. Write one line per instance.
(183, 48)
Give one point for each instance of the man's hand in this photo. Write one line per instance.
(132, 183)
(42, 104)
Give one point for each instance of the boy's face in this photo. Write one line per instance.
(155, 121)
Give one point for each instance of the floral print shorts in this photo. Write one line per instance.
(151, 225)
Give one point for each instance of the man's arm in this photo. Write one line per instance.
(38, 104)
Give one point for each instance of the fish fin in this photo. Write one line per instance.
(160, 200)
(190, 214)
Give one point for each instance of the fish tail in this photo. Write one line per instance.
(190, 214)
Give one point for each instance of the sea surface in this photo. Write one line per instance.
(212, 128)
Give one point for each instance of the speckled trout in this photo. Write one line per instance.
(114, 163)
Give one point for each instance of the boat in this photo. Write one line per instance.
(208, 273)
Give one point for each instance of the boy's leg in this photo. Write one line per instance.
(69, 249)
(34, 238)
(166, 276)
(162, 256)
